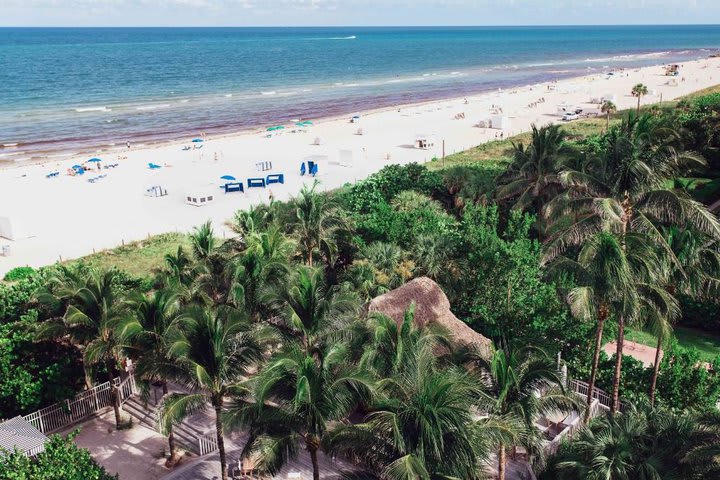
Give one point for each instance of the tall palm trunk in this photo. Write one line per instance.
(596, 359)
(615, 407)
(114, 397)
(656, 370)
(315, 465)
(638, 105)
(607, 123)
(501, 462)
(171, 436)
(217, 403)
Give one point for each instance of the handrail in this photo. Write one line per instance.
(207, 443)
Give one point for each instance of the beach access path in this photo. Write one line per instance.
(66, 217)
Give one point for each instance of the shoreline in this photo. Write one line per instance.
(66, 217)
(78, 154)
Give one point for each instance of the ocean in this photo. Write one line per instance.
(69, 90)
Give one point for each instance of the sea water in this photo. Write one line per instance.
(65, 90)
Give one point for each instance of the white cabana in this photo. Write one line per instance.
(345, 159)
(156, 191)
(199, 198)
(499, 122)
(424, 141)
(12, 229)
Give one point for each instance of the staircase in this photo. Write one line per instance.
(186, 435)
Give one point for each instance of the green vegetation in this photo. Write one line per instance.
(61, 459)
(549, 244)
(706, 344)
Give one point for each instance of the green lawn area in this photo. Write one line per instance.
(707, 344)
(140, 258)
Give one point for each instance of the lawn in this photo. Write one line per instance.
(140, 258)
(707, 344)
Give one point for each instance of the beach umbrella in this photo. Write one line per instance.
(308, 123)
(227, 177)
(95, 160)
(197, 140)
(276, 127)
(77, 166)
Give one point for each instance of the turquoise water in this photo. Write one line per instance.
(74, 89)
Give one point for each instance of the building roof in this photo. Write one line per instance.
(431, 307)
(18, 433)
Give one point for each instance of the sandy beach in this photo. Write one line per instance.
(65, 217)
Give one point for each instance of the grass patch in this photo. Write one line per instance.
(139, 258)
(706, 344)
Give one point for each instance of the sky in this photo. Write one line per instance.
(354, 12)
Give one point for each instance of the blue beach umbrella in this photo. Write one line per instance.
(227, 177)
(197, 140)
(95, 160)
(77, 166)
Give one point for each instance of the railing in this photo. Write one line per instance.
(581, 388)
(207, 443)
(84, 405)
(568, 432)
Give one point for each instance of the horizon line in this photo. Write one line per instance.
(382, 26)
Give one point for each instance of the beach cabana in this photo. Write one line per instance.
(17, 433)
(11, 229)
(499, 122)
(432, 307)
(424, 141)
(199, 198)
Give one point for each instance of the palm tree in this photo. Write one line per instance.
(523, 384)
(636, 445)
(625, 193)
(203, 241)
(308, 308)
(318, 223)
(179, 267)
(533, 173)
(702, 452)
(639, 91)
(293, 400)
(265, 261)
(608, 108)
(605, 286)
(147, 334)
(94, 310)
(211, 355)
(421, 425)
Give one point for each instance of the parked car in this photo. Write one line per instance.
(570, 116)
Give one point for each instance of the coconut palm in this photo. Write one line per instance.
(421, 425)
(94, 310)
(179, 267)
(210, 356)
(308, 308)
(203, 241)
(294, 399)
(608, 108)
(625, 193)
(265, 261)
(147, 333)
(636, 445)
(318, 222)
(639, 91)
(605, 287)
(532, 176)
(521, 383)
(702, 452)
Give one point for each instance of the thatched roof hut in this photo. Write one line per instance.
(431, 307)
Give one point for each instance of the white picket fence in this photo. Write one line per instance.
(207, 443)
(603, 398)
(85, 404)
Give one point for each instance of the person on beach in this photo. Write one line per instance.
(128, 145)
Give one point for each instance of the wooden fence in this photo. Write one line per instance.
(207, 443)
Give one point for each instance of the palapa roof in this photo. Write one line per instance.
(431, 307)
(18, 433)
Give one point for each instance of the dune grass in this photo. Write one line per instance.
(139, 259)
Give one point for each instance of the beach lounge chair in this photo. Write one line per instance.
(255, 182)
(234, 187)
(302, 169)
(275, 178)
(313, 169)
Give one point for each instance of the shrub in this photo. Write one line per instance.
(19, 273)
